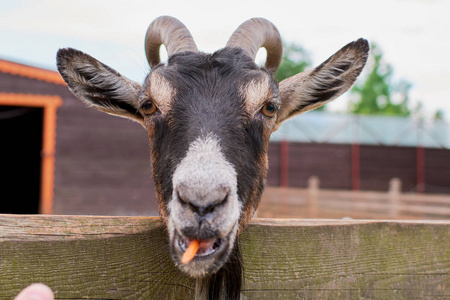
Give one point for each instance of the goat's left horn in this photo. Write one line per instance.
(170, 32)
(256, 33)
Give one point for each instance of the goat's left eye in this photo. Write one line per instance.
(269, 109)
(148, 107)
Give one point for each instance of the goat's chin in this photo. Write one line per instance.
(205, 262)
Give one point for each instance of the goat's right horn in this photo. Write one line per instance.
(256, 33)
(170, 32)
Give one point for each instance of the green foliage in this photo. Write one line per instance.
(378, 94)
(295, 60)
(439, 115)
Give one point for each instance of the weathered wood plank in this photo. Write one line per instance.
(89, 257)
(348, 260)
(127, 258)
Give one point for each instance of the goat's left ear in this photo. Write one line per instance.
(311, 89)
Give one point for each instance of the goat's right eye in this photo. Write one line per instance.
(148, 107)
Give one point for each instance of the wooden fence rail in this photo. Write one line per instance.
(314, 202)
(83, 257)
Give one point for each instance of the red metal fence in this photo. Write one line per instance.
(359, 167)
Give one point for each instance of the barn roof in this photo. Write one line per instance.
(17, 69)
(325, 127)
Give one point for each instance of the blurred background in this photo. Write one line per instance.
(381, 151)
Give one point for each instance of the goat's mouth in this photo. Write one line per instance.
(209, 257)
(205, 248)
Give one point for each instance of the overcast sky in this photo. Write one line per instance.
(413, 34)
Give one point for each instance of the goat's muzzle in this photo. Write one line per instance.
(204, 207)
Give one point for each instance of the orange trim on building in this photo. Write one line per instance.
(30, 72)
(50, 105)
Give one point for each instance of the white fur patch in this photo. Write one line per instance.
(255, 93)
(161, 92)
(203, 177)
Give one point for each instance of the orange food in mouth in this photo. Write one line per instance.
(190, 252)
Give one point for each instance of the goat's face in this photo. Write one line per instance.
(209, 118)
(209, 134)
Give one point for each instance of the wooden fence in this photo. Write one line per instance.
(317, 203)
(83, 257)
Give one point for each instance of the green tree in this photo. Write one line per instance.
(295, 60)
(439, 115)
(378, 94)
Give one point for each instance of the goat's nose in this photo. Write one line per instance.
(202, 203)
(203, 210)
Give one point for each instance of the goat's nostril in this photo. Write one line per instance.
(182, 199)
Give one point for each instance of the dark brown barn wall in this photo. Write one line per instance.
(22, 85)
(109, 162)
(102, 162)
(273, 174)
(380, 163)
(437, 171)
(330, 162)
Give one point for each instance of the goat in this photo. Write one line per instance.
(209, 118)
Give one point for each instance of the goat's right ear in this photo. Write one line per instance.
(98, 85)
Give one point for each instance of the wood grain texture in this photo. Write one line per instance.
(89, 258)
(83, 257)
(347, 260)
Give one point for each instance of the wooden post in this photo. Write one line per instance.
(313, 194)
(48, 159)
(395, 188)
